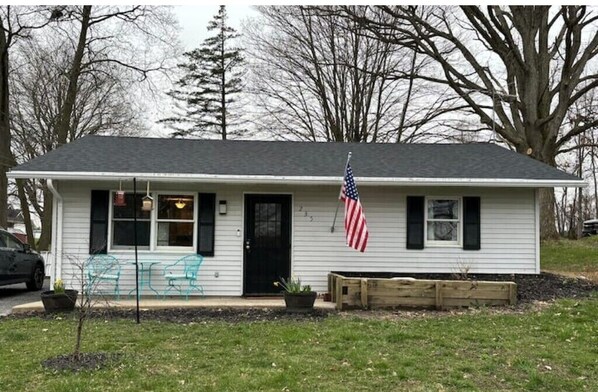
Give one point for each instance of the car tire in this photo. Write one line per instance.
(37, 279)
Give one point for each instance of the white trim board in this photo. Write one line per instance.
(316, 180)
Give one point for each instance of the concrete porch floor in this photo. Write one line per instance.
(168, 303)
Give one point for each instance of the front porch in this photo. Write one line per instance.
(170, 303)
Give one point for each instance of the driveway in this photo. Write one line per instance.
(17, 294)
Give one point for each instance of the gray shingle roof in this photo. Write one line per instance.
(242, 158)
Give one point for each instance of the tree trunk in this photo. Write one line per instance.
(79, 335)
(223, 85)
(579, 223)
(26, 213)
(547, 220)
(6, 159)
(46, 221)
(64, 120)
(595, 183)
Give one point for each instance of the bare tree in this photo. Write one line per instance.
(87, 286)
(39, 86)
(530, 62)
(132, 39)
(103, 53)
(16, 23)
(317, 76)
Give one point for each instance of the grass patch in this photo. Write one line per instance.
(555, 349)
(571, 256)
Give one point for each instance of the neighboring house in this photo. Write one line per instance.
(15, 223)
(262, 210)
(14, 216)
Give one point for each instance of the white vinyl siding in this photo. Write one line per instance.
(508, 233)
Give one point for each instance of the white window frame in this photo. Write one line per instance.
(155, 221)
(444, 244)
(153, 245)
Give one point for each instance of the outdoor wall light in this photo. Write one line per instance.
(222, 207)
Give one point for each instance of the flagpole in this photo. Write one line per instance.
(340, 192)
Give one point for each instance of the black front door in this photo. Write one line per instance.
(267, 242)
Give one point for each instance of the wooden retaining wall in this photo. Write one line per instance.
(375, 293)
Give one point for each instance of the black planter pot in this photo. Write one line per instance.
(300, 302)
(63, 302)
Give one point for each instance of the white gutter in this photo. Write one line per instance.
(57, 205)
(303, 180)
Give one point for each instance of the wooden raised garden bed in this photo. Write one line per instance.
(376, 293)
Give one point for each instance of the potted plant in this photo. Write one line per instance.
(59, 299)
(297, 297)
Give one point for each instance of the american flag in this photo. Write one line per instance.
(356, 228)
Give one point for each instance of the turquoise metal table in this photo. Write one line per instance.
(145, 276)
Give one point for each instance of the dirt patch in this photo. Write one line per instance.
(85, 361)
(543, 287)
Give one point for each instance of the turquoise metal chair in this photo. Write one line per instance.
(101, 268)
(184, 270)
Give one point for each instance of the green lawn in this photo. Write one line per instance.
(579, 257)
(556, 349)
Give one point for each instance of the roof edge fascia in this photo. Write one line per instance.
(307, 180)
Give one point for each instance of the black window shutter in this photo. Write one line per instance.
(206, 223)
(471, 223)
(98, 229)
(415, 222)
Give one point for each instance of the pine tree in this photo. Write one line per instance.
(210, 85)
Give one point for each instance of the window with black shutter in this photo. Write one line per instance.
(98, 230)
(471, 223)
(206, 223)
(415, 222)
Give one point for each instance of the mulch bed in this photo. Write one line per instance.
(530, 289)
(203, 315)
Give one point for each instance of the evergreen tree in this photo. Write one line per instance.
(211, 82)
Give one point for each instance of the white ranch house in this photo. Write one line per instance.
(259, 210)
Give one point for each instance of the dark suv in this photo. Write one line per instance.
(19, 264)
(590, 227)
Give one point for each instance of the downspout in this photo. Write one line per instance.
(57, 205)
(537, 224)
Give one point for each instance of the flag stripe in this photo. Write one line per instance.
(356, 229)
